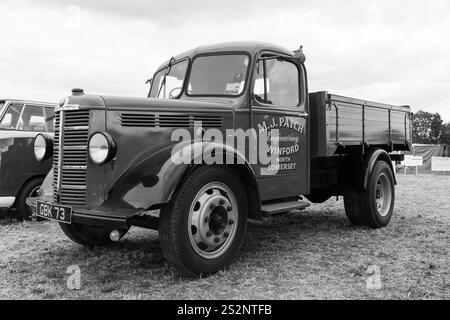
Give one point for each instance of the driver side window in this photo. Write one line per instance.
(168, 82)
(276, 83)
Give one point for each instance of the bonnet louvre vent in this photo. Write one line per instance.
(168, 120)
(138, 120)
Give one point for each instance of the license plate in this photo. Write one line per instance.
(54, 212)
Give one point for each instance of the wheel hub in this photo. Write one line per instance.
(383, 195)
(218, 220)
(212, 219)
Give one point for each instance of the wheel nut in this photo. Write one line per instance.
(226, 235)
(216, 240)
(212, 207)
(230, 222)
(222, 202)
(229, 209)
(209, 234)
(207, 220)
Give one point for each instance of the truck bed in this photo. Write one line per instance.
(339, 122)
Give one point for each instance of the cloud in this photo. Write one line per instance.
(387, 51)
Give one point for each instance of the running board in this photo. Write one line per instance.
(280, 207)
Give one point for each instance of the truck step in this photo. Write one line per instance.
(274, 208)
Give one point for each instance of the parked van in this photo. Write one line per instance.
(21, 175)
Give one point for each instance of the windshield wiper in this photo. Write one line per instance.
(163, 82)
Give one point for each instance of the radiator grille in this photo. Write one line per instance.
(74, 157)
(168, 120)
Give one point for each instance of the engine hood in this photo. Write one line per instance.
(124, 103)
(132, 103)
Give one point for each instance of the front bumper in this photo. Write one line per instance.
(85, 216)
(7, 202)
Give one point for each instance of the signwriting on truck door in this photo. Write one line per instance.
(278, 109)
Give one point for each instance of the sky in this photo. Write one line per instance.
(395, 52)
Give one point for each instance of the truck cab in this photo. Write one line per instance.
(228, 132)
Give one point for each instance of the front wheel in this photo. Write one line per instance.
(202, 229)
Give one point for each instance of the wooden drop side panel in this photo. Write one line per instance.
(338, 121)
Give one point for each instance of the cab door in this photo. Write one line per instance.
(279, 114)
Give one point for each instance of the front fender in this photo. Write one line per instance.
(47, 185)
(156, 178)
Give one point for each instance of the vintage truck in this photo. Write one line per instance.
(122, 162)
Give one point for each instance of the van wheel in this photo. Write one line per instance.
(202, 229)
(30, 190)
(377, 202)
(89, 236)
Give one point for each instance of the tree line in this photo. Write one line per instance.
(429, 128)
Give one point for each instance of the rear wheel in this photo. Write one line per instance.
(378, 200)
(372, 207)
(29, 190)
(352, 206)
(204, 227)
(87, 235)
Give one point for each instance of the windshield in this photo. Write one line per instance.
(171, 87)
(218, 75)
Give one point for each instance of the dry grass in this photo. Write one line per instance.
(314, 254)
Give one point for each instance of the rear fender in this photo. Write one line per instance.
(370, 159)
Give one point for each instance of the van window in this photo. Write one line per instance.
(11, 117)
(32, 119)
(49, 114)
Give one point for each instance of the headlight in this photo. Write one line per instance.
(101, 147)
(43, 147)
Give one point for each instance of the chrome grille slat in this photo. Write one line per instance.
(73, 179)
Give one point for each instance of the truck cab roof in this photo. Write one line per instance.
(252, 47)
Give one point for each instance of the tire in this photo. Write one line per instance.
(371, 207)
(352, 207)
(378, 200)
(208, 207)
(89, 236)
(29, 190)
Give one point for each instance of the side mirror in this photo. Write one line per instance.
(298, 54)
(149, 82)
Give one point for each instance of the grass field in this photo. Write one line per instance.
(312, 254)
